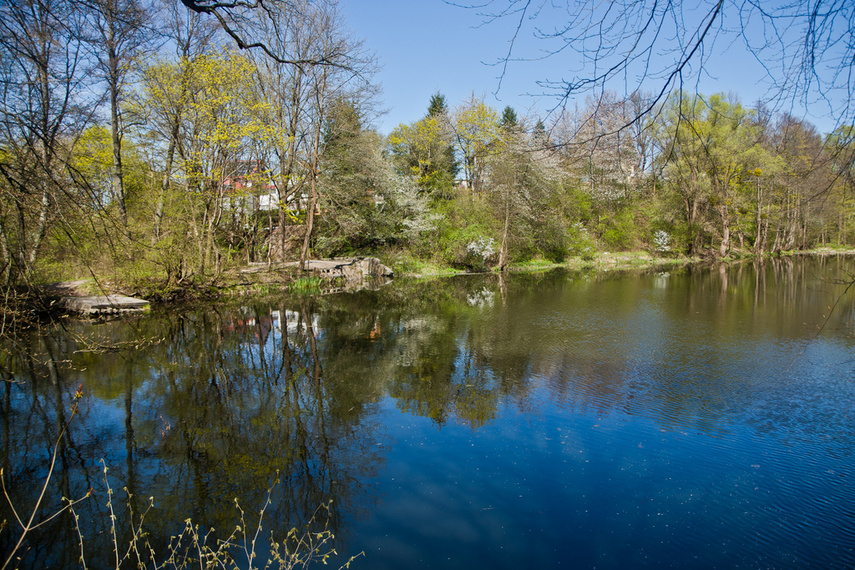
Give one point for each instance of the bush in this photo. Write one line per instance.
(582, 243)
(553, 242)
(463, 235)
(479, 252)
(618, 231)
(661, 242)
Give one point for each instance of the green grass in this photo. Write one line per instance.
(536, 264)
(306, 286)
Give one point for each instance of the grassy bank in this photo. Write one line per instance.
(276, 279)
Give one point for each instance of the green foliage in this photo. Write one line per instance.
(411, 262)
(553, 241)
(460, 222)
(423, 149)
(437, 106)
(364, 203)
(581, 243)
(509, 121)
(470, 248)
(476, 132)
(708, 171)
(618, 231)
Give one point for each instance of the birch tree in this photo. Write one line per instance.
(165, 89)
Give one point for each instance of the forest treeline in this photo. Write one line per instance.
(139, 143)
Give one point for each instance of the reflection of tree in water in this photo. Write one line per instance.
(240, 412)
(36, 408)
(689, 349)
(217, 410)
(444, 367)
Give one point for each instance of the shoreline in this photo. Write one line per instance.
(283, 278)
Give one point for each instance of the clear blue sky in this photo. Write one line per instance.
(427, 46)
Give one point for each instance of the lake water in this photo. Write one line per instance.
(685, 418)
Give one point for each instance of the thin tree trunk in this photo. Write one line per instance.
(725, 230)
(47, 162)
(6, 270)
(291, 162)
(776, 247)
(310, 222)
(164, 184)
(503, 252)
(113, 79)
(758, 248)
(41, 227)
(117, 181)
(213, 222)
(316, 155)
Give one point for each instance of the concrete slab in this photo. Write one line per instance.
(103, 304)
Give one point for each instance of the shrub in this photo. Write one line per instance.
(479, 252)
(582, 243)
(662, 242)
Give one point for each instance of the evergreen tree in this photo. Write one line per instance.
(539, 135)
(509, 120)
(437, 106)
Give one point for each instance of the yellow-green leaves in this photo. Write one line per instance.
(477, 130)
(421, 143)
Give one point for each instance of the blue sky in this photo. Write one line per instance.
(427, 46)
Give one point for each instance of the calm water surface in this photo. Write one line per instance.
(690, 418)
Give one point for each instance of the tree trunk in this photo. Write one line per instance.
(282, 219)
(6, 270)
(47, 162)
(725, 232)
(758, 247)
(776, 247)
(41, 227)
(164, 184)
(113, 80)
(310, 222)
(503, 252)
(213, 222)
(289, 153)
(320, 94)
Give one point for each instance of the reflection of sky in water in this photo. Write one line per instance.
(691, 421)
(605, 488)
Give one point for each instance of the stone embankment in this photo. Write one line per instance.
(349, 269)
(342, 274)
(354, 271)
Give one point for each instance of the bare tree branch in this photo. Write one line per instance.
(806, 47)
(240, 19)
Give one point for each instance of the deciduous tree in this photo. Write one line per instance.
(476, 129)
(44, 72)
